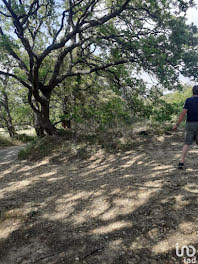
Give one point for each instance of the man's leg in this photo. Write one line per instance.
(184, 152)
(189, 136)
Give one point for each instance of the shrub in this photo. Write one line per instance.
(5, 142)
(24, 138)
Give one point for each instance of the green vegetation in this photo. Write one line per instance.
(24, 138)
(178, 98)
(72, 145)
(18, 139)
(65, 67)
(6, 142)
(67, 144)
(65, 63)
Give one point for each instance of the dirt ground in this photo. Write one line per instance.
(29, 131)
(131, 207)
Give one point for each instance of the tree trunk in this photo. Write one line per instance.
(42, 121)
(8, 119)
(41, 106)
(66, 123)
(47, 125)
(11, 129)
(38, 125)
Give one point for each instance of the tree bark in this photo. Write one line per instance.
(66, 123)
(38, 125)
(47, 125)
(10, 127)
(8, 119)
(42, 121)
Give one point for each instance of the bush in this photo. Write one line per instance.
(39, 148)
(24, 138)
(5, 142)
(48, 145)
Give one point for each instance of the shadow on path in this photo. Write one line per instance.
(113, 209)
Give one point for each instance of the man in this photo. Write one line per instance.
(191, 108)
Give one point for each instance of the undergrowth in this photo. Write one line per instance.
(6, 142)
(78, 145)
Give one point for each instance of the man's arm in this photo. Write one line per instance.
(180, 119)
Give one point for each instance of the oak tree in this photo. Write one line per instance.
(50, 41)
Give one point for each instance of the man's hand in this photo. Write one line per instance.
(175, 127)
(181, 117)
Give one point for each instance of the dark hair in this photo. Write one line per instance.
(195, 90)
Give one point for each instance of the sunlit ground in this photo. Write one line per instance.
(125, 208)
(29, 131)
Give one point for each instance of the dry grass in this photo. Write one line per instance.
(119, 208)
(6, 142)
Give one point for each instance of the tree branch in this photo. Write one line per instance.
(17, 78)
(60, 59)
(104, 19)
(13, 53)
(31, 103)
(20, 33)
(79, 29)
(85, 72)
(5, 14)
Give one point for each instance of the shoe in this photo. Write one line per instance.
(181, 166)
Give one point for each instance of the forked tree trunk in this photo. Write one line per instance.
(42, 122)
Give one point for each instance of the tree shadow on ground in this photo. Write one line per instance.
(130, 207)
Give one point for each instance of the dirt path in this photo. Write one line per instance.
(9, 153)
(111, 209)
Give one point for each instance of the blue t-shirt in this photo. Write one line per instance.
(191, 105)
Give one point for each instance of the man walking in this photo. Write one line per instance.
(191, 108)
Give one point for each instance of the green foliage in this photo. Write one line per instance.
(24, 138)
(5, 142)
(177, 99)
(20, 111)
(7, 43)
(169, 106)
(163, 111)
(38, 148)
(22, 115)
(52, 145)
(149, 35)
(105, 109)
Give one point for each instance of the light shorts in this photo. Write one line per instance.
(191, 133)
